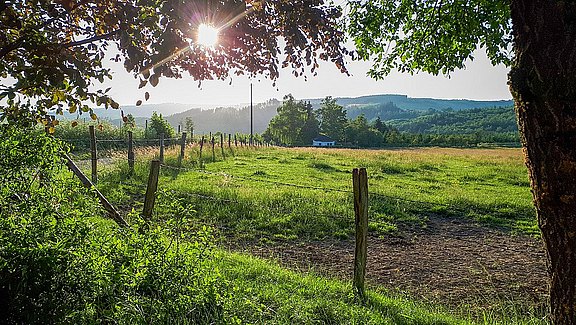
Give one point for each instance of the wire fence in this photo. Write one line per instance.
(114, 150)
(375, 196)
(301, 186)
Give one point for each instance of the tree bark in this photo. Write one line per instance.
(543, 83)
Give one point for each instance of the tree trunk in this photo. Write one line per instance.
(543, 83)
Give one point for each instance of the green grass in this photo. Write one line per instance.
(248, 193)
(268, 294)
(246, 197)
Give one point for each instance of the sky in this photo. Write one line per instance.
(479, 80)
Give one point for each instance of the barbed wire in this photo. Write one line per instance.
(326, 189)
(251, 204)
(257, 179)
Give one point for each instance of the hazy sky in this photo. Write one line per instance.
(480, 80)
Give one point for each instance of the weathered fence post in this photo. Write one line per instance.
(360, 184)
(213, 152)
(201, 146)
(151, 189)
(182, 148)
(130, 153)
(162, 148)
(178, 128)
(222, 145)
(86, 182)
(93, 152)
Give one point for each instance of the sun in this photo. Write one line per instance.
(207, 35)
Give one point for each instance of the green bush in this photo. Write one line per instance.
(60, 262)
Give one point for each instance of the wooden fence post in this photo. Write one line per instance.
(178, 128)
(151, 189)
(113, 213)
(130, 153)
(360, 184)
(235, 141)
(213, 152)
(162, 148)
(182, 148)
(201, 146)
(94, 154)
(222, 145)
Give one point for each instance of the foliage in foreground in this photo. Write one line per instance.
(59, 263)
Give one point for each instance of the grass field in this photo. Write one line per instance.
(406, 188)
(269, 195)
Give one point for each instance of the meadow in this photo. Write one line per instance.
(289, 193)
(268, 199)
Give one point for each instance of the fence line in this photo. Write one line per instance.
(326, 189)
(256, 179)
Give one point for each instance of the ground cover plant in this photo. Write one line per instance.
(62, 262)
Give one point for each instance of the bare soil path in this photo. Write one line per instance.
(456, 262)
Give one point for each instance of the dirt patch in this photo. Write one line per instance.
(451, 261)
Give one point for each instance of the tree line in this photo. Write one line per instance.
(298, 123)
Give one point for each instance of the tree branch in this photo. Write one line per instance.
(16, 44)
(91, 39)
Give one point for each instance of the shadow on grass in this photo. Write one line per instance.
(507, 218)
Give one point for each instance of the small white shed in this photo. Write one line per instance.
(323, 141)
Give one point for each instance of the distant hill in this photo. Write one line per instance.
(417, 104)
(491, 119)
(387, 111)
(228, 119)
(144, 111)
(388, 107)
(235, 119)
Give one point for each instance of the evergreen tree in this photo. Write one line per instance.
(158, 125)
(189, 125)
(380, 126)
(311, 127)
(361, 134)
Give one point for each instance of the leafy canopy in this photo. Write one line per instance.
(432, 36)
(52, 52)
(158, 126)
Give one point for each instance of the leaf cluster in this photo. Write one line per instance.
(52, 53)
(432, 36)
(295, 124)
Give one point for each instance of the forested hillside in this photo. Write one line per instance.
(228, 119)
(494, 119)
(418, 104)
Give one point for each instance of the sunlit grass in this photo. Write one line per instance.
(407, 187)
(244, 196)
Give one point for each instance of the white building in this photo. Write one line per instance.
(323, 141)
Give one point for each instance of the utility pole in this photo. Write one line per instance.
(251, 117)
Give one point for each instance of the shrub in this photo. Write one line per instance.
(61, 263)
